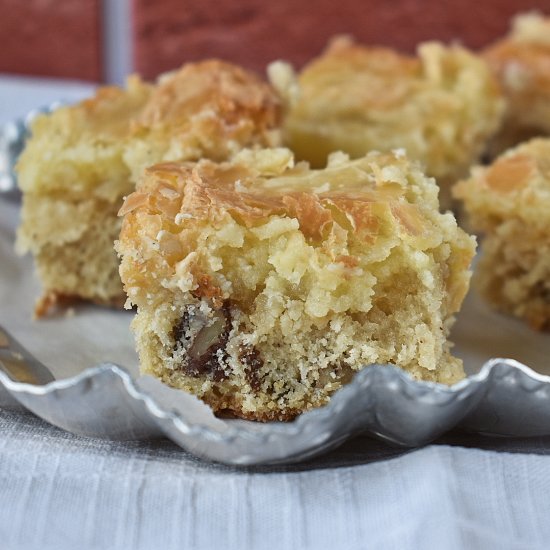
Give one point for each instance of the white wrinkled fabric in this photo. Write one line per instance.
(61, 492)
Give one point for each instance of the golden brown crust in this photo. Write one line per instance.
(198, 191)
(234, 409)
(509, 202)
(388, 76)
(522, 59)
(529, 60)
(441, 106)
(515, 184)
(110, 110)
(521, 63)
(275, 416)
(510, 173)
(53, 301)
(235, 95)
(210, 109)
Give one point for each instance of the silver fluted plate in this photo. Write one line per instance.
(505, 398)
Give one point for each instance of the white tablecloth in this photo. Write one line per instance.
(59, 491)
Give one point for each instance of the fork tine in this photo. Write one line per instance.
(19, 364)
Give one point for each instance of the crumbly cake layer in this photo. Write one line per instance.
(74, 257)
(509, 202)
(263, 286)
(442, 106)
(83, 159)
(521, 62)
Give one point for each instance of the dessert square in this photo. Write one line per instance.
(83, 159)
(441, 106)
(262, 285)
(521, 62)
(509, 203)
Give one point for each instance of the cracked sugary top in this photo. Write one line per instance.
(517, 184)
(359, 195)
(379, 78)
(521, 61)
(210, 87)
(440, 105)
(525, 49)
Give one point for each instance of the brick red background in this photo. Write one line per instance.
(63, 37)
(254, 32)
(51, 37)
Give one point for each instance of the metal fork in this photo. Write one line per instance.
(19, 364)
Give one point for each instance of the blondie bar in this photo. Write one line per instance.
(262, 285)
(442, 106)
(83, 159)
(521, 62)
(509, 202)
